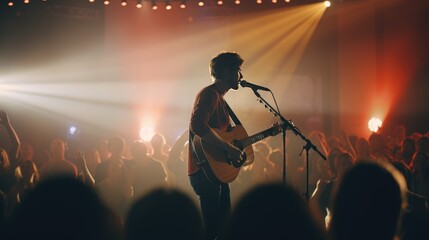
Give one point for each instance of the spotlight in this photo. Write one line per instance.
(201, 3)
(107, 2)
(237, 2)
(374, 124)
(220, 2)
(258, 1)
(26, 1)
(167, 5)
(327, 3)
(146, 133)
(154, 6)
(124, 3)
(183, 4)
(10, 4)
(274, 1)
(72, 131)
(91, 1)
(139, 4)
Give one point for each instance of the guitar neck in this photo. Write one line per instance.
(256, 137)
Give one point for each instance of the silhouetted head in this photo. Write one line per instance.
(62, 208)
(368, 202)
(229, 61)
(139, 150)
(343, 162)
(158, 141)
(58, 149)
(272, 211)
(163, 214)
(116, 145)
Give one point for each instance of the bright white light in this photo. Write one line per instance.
(374, 124)
(72, 130)
(146, 133)
(327, 3)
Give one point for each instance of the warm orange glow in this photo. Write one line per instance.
(10, 4)
(123, 3)
(168, 7)
(182, 5)
(26, 1)
(139, 5)
(201, 3)
(106, 2)
(219, 2)
(237, 2)
(259, 1)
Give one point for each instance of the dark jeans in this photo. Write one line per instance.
(215, 202)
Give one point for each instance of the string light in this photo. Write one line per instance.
(168, 5)
(154, 6)
(139, 4)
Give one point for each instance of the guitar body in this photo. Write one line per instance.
(214, 161)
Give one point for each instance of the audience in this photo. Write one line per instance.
(369, 188)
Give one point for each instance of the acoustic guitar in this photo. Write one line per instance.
(216, 164)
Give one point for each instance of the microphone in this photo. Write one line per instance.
(254, 87)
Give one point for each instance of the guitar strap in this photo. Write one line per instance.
(232, 115)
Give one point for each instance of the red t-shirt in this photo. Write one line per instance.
(209, 111)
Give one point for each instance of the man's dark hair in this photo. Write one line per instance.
(224, 60)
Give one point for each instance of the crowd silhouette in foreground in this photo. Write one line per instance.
(375, 188)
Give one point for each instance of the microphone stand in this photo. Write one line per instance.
(287, 124)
